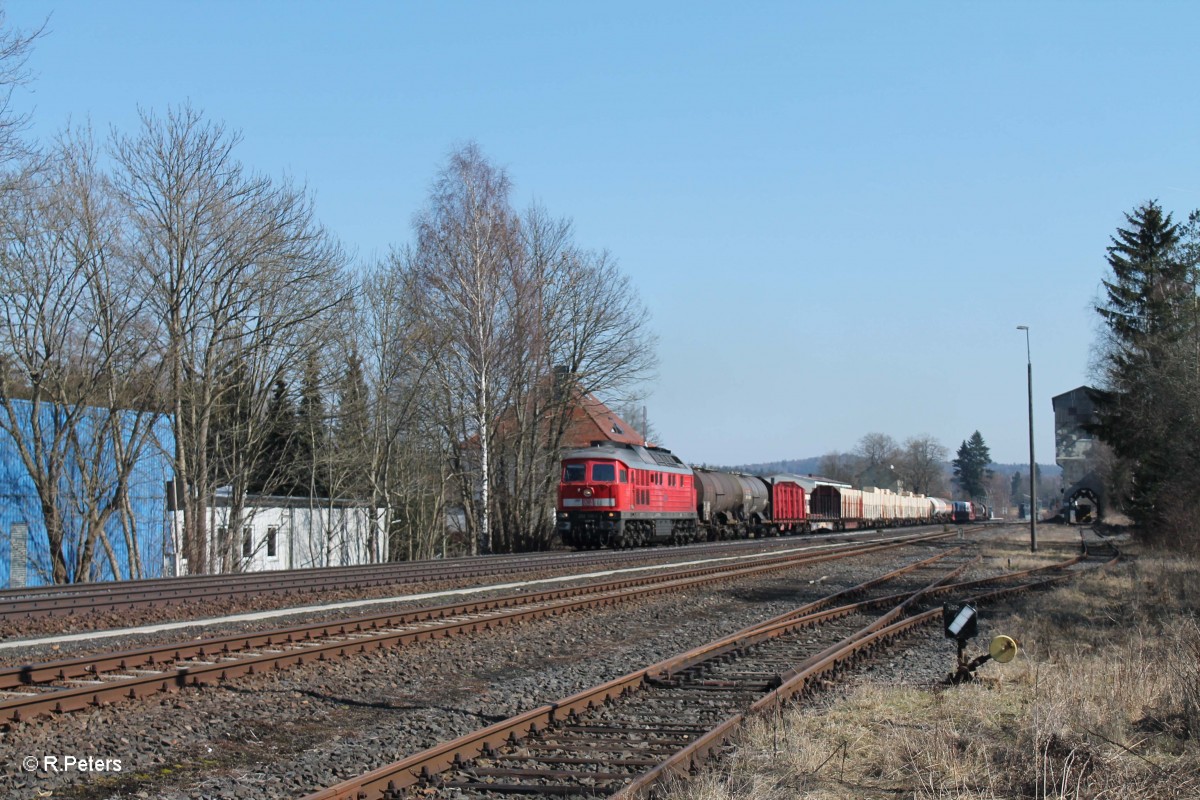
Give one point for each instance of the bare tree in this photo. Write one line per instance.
(75, 342)
(634, 412)
(402, 451)
(877, 456)
(836, 466)
(876, 449)
(236, 267)
(15, 47)
(462, 271)
(999, 493)
(583, 330)
(922, 465)
(512, 322)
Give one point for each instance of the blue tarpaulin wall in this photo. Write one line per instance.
(21, 511)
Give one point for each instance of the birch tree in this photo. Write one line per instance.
(514, 322)
(463, 270)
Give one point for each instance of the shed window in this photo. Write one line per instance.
(247, 541)
(272, 533)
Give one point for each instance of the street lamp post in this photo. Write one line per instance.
(1032, 461)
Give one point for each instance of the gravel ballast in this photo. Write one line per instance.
(288, 733)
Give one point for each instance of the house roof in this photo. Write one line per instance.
(1070, 397)
(592, 421)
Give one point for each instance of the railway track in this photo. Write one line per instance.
(87, 598)
(80, 600)
(71, 684)
(624, 736)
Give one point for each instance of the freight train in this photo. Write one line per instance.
(624, 495)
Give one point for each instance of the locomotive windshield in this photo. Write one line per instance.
(574, 473)
(604, 473)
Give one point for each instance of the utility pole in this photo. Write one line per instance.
(1032, 461)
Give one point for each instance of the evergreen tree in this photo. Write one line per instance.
(230, 423)
(1148, 280)
(1148, 368)
(273, 473)
(970, 467)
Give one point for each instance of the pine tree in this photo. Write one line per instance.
(273, 473)
(1148, 368)
(970, 467)
(229, 425)
(1148, 279)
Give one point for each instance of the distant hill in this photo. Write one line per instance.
(795, 466)
(811, 466)
(1047, 470)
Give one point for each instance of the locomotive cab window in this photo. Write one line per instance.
(604, 473)
(574, 473)
(624, 476)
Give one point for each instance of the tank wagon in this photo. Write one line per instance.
(941, 510)
(731, 504)
(614, 494)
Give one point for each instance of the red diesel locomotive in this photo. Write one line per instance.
(622, 495)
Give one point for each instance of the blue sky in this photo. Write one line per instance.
(837, 213)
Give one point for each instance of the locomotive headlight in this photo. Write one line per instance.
(587, 492)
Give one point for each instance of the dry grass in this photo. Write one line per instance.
(1103, 702)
